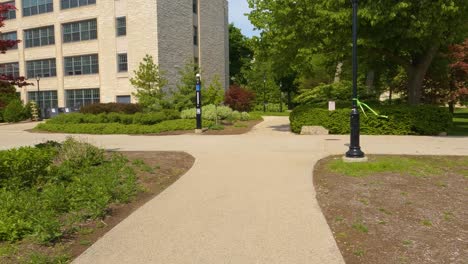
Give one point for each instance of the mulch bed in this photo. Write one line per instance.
(397, 217)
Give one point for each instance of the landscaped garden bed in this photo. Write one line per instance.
(57, 200)
(395, 120)
(396, 209)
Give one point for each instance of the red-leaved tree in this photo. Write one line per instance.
(4, 46)
(458, 74)
(239, 99)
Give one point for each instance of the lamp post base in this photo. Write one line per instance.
(355, 160)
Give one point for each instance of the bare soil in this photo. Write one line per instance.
(398, 217)
(160, 170)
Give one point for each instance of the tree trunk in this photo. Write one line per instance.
(415, 81)
(339, 70)
(417, 72)
(451, 107)
(289, 100)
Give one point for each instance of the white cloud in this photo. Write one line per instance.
(237, 11)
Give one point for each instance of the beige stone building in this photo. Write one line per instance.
(85, 51)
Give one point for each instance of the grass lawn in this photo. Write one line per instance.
(460, 122)
(257, 115)
(396, 209)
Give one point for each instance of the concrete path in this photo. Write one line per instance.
(248, 198)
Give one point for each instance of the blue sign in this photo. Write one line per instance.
(198, 87)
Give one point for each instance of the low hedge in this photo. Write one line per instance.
(126, 119)
(111, 108)
(116, 128)
(402, 120)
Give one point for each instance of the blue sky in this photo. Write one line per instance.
(237, 9)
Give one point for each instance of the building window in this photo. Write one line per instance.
(122, 62)
(124, 99)
(11, 14)
(65, 4)
(10, 69)
(39, 37)
(47, 99)
(195, 35)
(82, 97)
(79, 65)
(10, 36)
(42, 68)
(121, 26)
(195, 6)
(80, 31)
(34, 7)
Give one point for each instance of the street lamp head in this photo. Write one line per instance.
(38, 78)
(198, 76)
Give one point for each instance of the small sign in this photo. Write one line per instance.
(198, 87)
(198, 111)
(53, 110)
(331, 106)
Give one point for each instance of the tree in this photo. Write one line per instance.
(408, 33)
(149, 83)
(458, 74)
(185, 97)
(214, 94)
(239, 99)
(240, 54)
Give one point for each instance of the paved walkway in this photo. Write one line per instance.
(248, 198)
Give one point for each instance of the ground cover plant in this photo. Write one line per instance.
(396, 209)
(402, 120)
(57, 199)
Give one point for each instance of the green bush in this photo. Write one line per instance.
(209, 112)
(15, 112)
(111, 108)
(245, 116)
(45, 209)
(24, 166)
(115, 128)
(403, 120)
(126, 119)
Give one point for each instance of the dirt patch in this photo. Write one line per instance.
(394, 217)
(155, 170)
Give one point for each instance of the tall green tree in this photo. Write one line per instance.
(240, 53)
(184, 97)
(149, 82)
(408, 33)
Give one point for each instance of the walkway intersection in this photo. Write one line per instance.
(248, 199)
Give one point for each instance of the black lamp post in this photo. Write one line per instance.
(354, 147)
(38, 79)
(264, 92)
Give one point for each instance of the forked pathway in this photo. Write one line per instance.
(248, 198)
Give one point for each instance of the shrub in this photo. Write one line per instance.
(403, 120)
(209, 112)
(44, 209)
(239, 99)
(111, 108)
(245, 116)
(137, 118)
(14, 112)
(114, 128)
(24, 166)
(236, 115)
(77, 155)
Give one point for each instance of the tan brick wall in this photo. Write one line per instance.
(161, 28)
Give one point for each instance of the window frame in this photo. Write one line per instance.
(36, 9)
(121, 63)
(76, 65)
(73, 31)
(121, 29)
(52, 69)
(40, 37)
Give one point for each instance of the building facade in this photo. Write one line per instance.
(85, 51)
